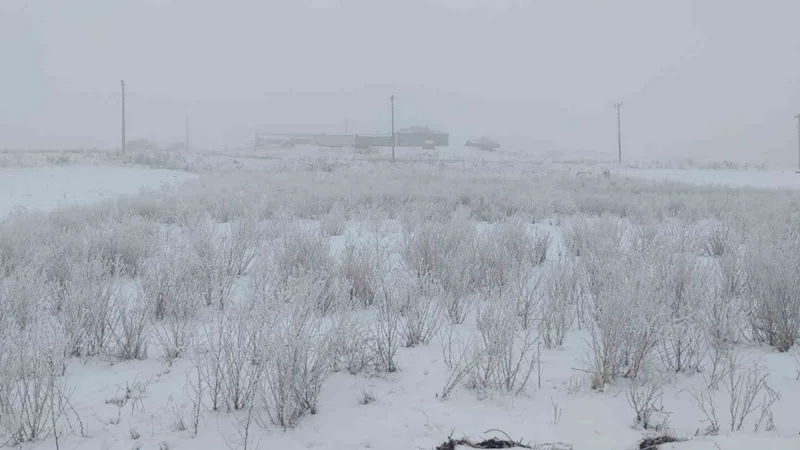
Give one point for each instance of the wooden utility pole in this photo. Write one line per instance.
(619, 132)
(123, 115)
(393, 143)
(798, 142)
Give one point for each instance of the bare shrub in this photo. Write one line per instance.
(457, 306)
(561, 295)
(85, 307)
(722, 325)
(606, 322)
(541, 246)
(626, 324)
(123, 243)
(168, 280)
(350, 342)
(128, 328)
(301, 251)
(386, 334)
(576, 235)
(238, 335)
(428, 245)
(743, 384)
(31, 384)
(647, 234)
(211, 264)
(458, 357)
(324, 289)
(228, 356)
(298, 364)
(334, 222)
(243, 245)
(505, 356)
(362, 268)
(523, 290)
(717, 240)
(681, 286)
(604, 236)
(642, 395)
(366, 397)
(175, 332)
(743, 388)
(421, 316)
(706, 404)
(733, 272)
(774, 291)
(23, 293)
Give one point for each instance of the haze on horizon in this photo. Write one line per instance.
(707, 79)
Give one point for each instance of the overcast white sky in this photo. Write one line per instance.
(713, 78)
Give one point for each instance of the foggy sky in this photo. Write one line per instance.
(705, 78)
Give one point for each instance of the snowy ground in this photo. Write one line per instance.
(50, 187)
(376, 199)
(783, 179)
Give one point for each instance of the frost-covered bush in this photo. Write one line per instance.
(211, 263)
(625, 319)
(301, 251)
(122, 243)
(129, 328)
(421, 315)
(351, 345)
(774, 293)
(299, 361)
(362, 267)
(504, 356)
(170, 284)
(334, 222)
(524, 291)
(24, 293)
(561, 294)
(429, 246)
(229, 354)
(682, 284)
(243, 245)
(385, 330)
(647, 233)
(32, 386)
(85, 307)
(717, 239)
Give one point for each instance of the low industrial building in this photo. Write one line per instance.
(421, 137)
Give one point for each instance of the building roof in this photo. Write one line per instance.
(418, 130)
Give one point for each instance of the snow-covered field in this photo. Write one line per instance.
(58, 186)
(338, 301)
(774, 179)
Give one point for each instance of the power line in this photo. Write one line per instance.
(122, 83)
(619, 132)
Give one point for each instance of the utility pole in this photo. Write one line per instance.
(345, 125)
(187, 133)
(619, 132)
(123, 115)
(798, 142)
(393, 143)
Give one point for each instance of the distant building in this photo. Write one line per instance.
(421, 137)
(483, 144)
(334, 140)
(364, 141)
